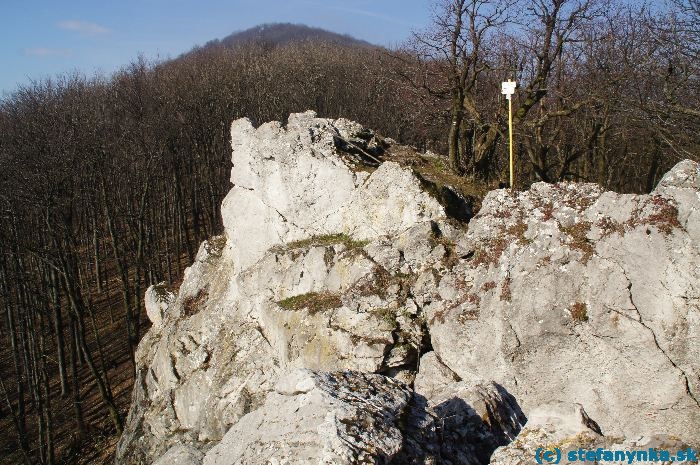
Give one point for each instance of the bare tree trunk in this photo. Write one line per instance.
(58, 330)
(96, 254)
(98, 341)
(75, 383)
(454, 152)
(653, 171)
(47, 417)
(124, 275)
(69, 274)
(19, 415)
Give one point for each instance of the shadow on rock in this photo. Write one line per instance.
(454, 432)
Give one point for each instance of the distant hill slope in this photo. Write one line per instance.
(284, 33)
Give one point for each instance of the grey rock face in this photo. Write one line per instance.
(296, 185)
(577, 295)
(351, 417)
(343, 294)
(455, 421)
(181, 454)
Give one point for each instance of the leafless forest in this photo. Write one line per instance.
(108, 184)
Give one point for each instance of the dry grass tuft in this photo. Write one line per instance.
(313, 302)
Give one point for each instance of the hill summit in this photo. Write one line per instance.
(278, 34)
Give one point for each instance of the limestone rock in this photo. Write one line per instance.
(455, 421)
(334, 276)
(181, 454)
(296, 185)
(320, 418)
(583, 296)
(157, 300)
(681, 185)
(566, 432)
(303, 277)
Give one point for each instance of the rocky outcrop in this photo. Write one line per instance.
(568, 435)
(295, 185)
(344, 317)
(455, 421)
(313, 272)
(584, 296)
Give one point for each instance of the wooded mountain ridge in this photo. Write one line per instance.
(276, 34)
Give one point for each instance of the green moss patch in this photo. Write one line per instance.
(313, 302)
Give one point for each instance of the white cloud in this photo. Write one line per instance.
(47, 52)
(83, 27)
(359, 11)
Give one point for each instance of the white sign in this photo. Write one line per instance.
(508, 88)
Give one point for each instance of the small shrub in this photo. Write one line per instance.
(473, 299)
(579, 312)
(580, 203)
(215, 245)
(375, 284)
(547, 211)
(380, 281)
(490, 253)
(502, 213)
(468, 315)
(665, 216)
(518, 230)
(610, 226)
(161, 291)
(387, 314)
(440, 315)
(437, 238)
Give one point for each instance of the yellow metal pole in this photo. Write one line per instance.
(510, 137)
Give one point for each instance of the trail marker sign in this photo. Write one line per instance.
(508, 89)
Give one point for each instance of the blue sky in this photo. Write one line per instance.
(41, 38)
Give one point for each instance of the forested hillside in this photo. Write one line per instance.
(109, 183)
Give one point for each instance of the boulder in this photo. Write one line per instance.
(319, 417)
(455, 421)
(568, 435)
(181, 454)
